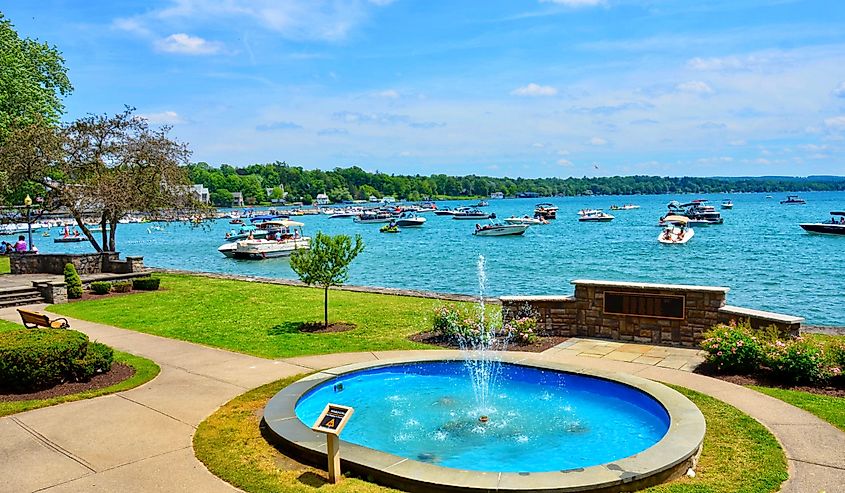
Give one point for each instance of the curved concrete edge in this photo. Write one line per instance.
(676, 452)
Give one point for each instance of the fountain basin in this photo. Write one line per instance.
(665, 431)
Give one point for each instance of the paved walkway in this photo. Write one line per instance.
(140, 440)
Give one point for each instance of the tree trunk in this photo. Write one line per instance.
(104, 228)
(87, 232)
(112, 231)
(326, 309)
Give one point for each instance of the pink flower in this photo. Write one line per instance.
(739, 343)
(835, 370)
(719, 353)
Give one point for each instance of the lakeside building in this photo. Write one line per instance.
(237, 199)
(201, 193)
(322, 199)
(497, 195)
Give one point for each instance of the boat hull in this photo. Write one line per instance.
(824, 229)
(504, 230)
(673, 237)
(410, 223)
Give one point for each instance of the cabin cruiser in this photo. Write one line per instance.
(833, 227)
(697, 211)
(546, 210)
(793, 200)
(525, 220)
(473, 214)
(281, 244)
(727, 204)
(596, 216)
(373, 218)
(500, 229)
(676, 232)
(409, 220)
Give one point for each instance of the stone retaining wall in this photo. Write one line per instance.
(85, 263)
(668, 314)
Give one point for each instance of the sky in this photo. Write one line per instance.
(531, 88)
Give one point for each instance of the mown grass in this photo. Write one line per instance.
(828, 408)
(261, 319)
(5, 265)
(739, 453)
(145, 370)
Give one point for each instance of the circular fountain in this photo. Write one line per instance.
(485, 420)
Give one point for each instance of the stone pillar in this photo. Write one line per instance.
(53, 292)
(136, 264)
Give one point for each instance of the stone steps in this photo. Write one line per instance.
(19, 296)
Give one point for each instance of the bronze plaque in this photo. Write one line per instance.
(645, 305)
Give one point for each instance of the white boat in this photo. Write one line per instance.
(677, 231)
(626, 207)
(281, 244)
(596, 216)
(588, 212)
(410, 220)
(473, 214)
(525, 220)
(727, 204)
(500, 229)
(369, 218)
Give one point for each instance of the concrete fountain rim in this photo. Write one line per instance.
(668, 458)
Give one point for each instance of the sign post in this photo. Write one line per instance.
(331, 422)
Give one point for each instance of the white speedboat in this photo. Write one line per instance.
(626, 207)
(280, 244)
(676, 232)
(375, 218)
(500, 229)
(598, 216)
(473, 214)
(832, 227)
(410, 220)
(546, 210)
(525, 220)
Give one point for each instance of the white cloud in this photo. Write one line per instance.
(575, 3)
(738, 142)
(163, 118)
(694, 87)
(564, 162)
(538, 145)
(562, 152)
(734, 63)
(389, 94)
(533, 89)
(186, 44)
(839, 92)
(134, 26)
(597, 141)
(835, 122)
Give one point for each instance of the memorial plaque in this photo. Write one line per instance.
(645, 305)
(333, 419)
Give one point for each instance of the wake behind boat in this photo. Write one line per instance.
(832, 227)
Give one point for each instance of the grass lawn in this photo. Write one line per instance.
(739, 453)
(4, 265)
(261, 319)
(828, 408)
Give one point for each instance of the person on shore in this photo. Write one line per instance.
(21, 245)
(5, 248)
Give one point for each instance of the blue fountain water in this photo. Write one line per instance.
(539, 420)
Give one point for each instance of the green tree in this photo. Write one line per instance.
(72, 282)
(33, 80)
(326, 263)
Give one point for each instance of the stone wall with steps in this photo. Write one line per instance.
(85, 263)
(584, 314)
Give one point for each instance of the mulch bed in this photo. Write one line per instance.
(118, 373)
(767, 381)
(541, 344)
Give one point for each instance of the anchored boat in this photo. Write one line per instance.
(833, 227)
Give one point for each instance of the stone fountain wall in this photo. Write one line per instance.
(668, 314)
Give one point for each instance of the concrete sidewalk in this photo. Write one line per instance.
(140, 440)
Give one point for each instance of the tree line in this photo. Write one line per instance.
(295, 184)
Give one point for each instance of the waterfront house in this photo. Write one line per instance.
(497, 195)
(322, 199)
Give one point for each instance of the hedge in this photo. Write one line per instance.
(101, 287)
(146, 283)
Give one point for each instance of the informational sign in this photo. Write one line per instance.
(333, 419)
(644, 305)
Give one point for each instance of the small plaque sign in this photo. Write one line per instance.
(333, 419)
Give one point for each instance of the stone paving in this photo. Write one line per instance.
(140, 440)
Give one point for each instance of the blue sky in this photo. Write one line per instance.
(504, 88)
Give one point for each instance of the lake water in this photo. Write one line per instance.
(760, 252)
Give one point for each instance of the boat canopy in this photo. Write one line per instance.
(266, 218)
(837, 213)
(676, 219)
(285, 223)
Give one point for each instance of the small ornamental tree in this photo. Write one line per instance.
(326, 263)
(73, 282)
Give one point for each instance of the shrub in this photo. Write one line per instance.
(73, 282)
(733, 348)
(522, 330)
(836, 360)
(98, 359)
(465, 325)
(38, 358)
(121, 286)
(101, 287)
(146, 283)
(797, 361)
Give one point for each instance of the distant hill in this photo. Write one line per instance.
(811, 178)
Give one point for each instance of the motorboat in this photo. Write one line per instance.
(281, 244)
(698, 211)
(626, 207)
(373, 218)
(833, 227)
(247, 231)
(481, 203)
(727, 204)
(70, 239)
(500, 229)
(473, 214)
(597, 216)
(546, 210)
(676, 232)
(450, 212)
(525, 220)
(587, 212)
(410, 220)
(793, 200)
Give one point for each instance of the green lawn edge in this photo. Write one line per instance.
(5, 265)
(825, 407)
(145, 370)
(739, 453)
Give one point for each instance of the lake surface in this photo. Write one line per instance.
(760, 252)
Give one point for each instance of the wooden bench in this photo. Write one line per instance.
(32, 320)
